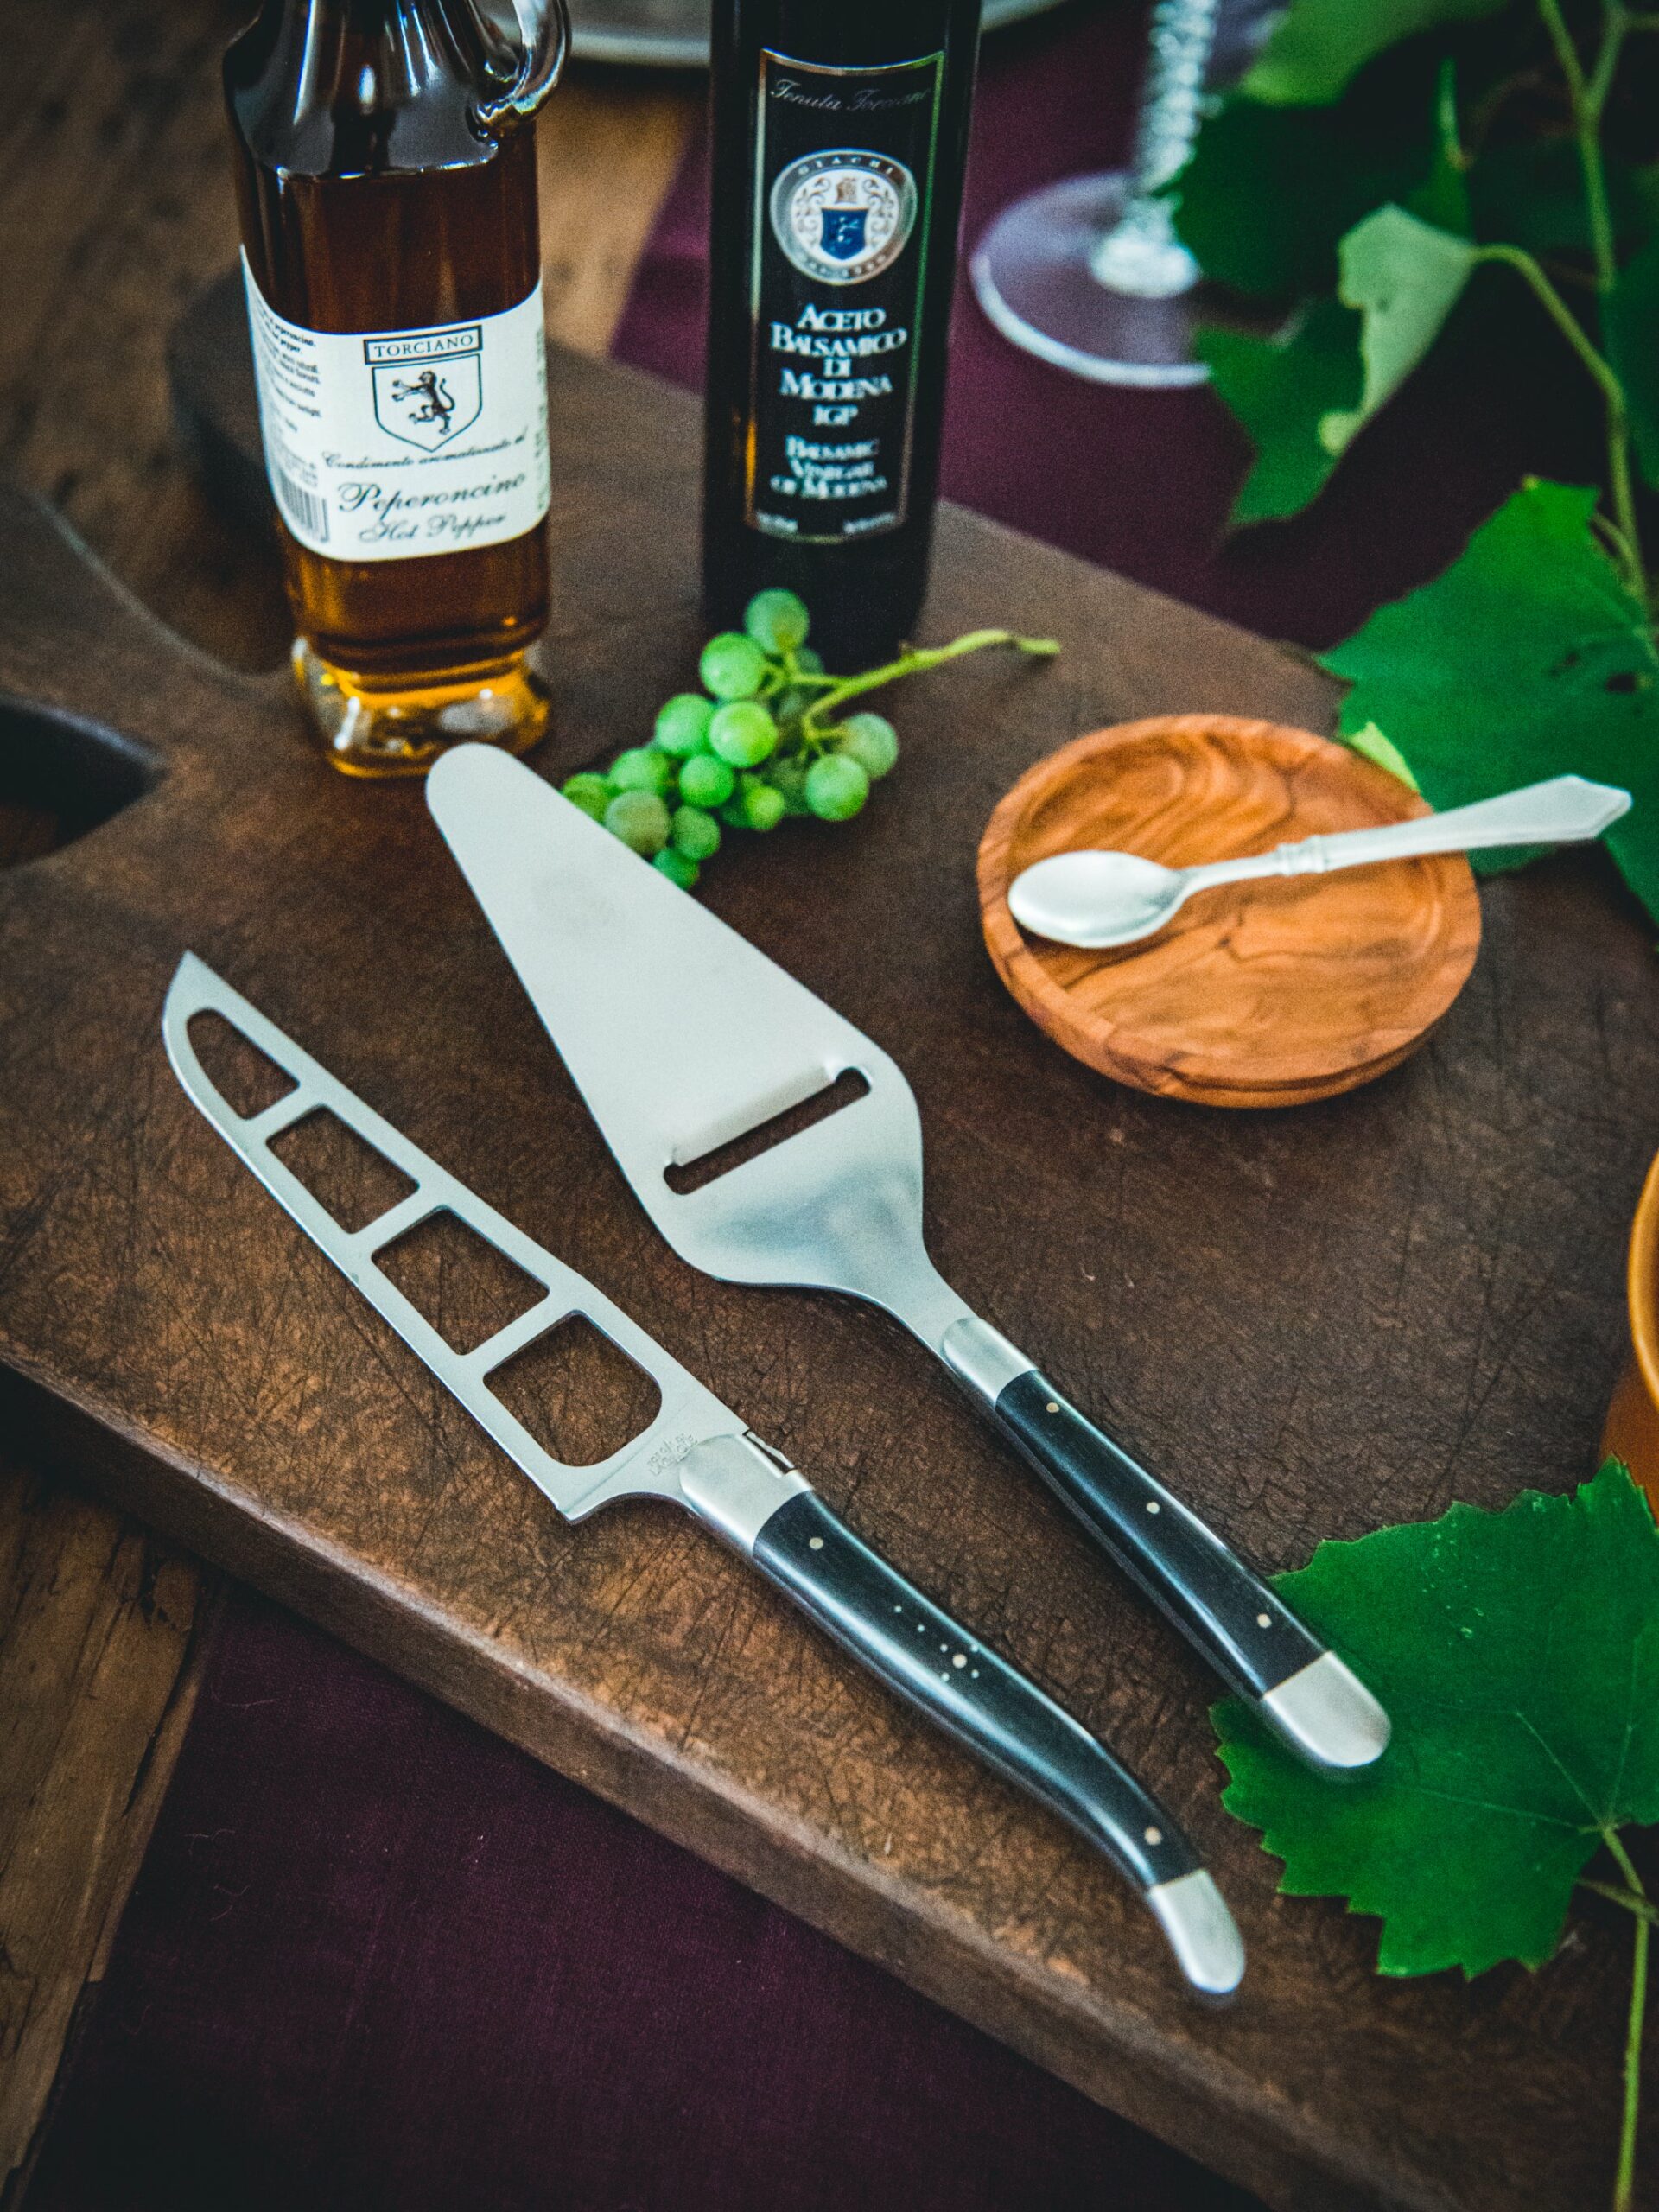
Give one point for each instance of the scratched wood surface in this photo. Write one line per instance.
(1313, 1320)
(115, 209)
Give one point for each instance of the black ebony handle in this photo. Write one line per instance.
(990, 1707)
(1256, 1643)
(1250, 1638)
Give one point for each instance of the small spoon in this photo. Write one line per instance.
(1097, 898)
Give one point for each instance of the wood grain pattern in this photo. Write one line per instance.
(96, 1622)
(1269, 994)
(1310, 1322)
(116, 208)
(608, 147)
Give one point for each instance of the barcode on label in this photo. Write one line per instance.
(302, 506)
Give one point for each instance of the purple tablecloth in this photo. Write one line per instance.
(377, 1961)
(375, 1958)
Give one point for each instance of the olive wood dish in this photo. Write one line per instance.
(1264, 994)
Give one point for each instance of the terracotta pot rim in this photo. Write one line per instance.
(1641, 1283)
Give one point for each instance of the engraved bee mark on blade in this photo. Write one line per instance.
(669, 1452)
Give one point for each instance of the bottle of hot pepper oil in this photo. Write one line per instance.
(840, 131)
(386, 180)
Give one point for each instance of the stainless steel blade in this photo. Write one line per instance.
(651, 1465)
(680, 1036)
(696, 1453)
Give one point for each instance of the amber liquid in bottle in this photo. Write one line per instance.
(372, 201)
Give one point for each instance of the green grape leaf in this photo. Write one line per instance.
(1442, 198)
(1371, 743)
(1635, 195)
(1299, 395)
(1517, 1653)
(1268, 191)
(1528, 657)
(1630, 325)
(1318, 45)
(1281, 390)
(1404, 277)
(1530, 192)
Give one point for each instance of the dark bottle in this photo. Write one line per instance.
(840, 132)
(386, 178)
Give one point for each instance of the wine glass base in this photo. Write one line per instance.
(1033, 273)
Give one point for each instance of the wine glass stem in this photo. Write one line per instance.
(1140, 254)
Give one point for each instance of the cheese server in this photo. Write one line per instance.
(683, 1038)
(698, 1454)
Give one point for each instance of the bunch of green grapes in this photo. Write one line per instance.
(759, 742)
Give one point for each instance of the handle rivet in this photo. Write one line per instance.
(815, 1544)
(1155, 1835)
(1053, 1407)
(1264, 1620)
(1152, 1506)
(961, 1659)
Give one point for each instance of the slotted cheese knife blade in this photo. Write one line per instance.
(699, 1454)
(681, 1037)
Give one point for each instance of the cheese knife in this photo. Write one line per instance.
(699, 1455)
(614, 958)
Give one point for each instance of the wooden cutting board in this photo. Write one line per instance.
(1312, 1320)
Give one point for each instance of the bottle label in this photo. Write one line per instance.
(384, 445)
(838, 281)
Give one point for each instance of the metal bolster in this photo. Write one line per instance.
(736, 1483)
(1202, 1932)
(1327, 1712)
(983, 1359)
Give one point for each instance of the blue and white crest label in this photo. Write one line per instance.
(843, 217)
(843, 180)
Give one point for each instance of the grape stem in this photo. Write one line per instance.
(914, 662)
(1634, 1897)
(1589, 90)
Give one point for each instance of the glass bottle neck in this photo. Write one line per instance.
(365, 87)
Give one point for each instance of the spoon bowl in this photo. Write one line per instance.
(1096, 899)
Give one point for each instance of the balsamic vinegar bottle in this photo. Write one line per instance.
(840, 131)
(386, 179)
